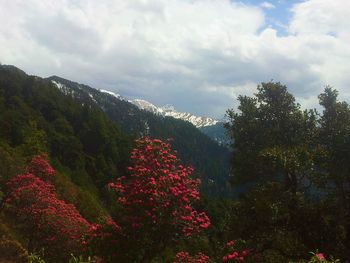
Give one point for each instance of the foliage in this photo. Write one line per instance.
(273, 137)
(33, 258)
(12, 251)
(334, 157)
(80, 259)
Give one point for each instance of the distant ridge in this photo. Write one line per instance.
(169, 110)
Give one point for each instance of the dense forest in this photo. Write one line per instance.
(86, 177)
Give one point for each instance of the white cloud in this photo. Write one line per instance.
(267, 5)
(323, 28)
(195, 54)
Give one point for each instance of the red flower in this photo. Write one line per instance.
(40, 167)
(184, 257)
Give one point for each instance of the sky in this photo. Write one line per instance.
(197, 55)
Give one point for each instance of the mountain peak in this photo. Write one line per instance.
(169, 110)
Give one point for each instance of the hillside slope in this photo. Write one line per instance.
(86, 147)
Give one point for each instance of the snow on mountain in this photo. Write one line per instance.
(169, 110)
(111, 93)
(145, 105)
(63, 88)
(195, 120)
(60, 86)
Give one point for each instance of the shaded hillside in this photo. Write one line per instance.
(218, 133)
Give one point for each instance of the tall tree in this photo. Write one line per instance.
(272, 137)
(334, 161)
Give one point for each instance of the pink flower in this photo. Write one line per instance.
(230, 243)
(320, 256)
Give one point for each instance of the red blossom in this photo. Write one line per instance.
(185, 257)
(158, 196)
(236, 252)
(40, 167)
(45, 220)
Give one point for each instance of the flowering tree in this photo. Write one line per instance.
(158, 198)
(43, 218)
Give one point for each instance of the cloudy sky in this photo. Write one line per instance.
(195, 54)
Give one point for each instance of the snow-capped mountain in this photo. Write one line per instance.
(169, 110)
(166, 110)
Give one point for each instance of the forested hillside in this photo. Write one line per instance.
(210, 159)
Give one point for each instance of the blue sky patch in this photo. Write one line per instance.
(277, 12)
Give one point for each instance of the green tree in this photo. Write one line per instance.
(273, 138)
(334, 157)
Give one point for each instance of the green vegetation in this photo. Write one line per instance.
(299, 164)
(294, 165)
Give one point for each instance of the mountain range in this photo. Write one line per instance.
(166, 110)
(169, 110)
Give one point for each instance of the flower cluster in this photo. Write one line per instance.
(159, 191)
(185, 257)
(235, 252)
(47, 221)
(41, 167)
